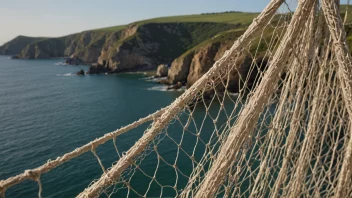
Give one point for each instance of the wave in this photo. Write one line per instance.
(148, 78)
(68, 74)
(158, 88)
(61, 63)
(152, 79)
(165, 88)
(137, 72)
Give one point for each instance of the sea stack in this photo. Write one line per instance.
(162, 71)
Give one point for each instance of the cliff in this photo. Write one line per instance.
(86, 45)
(44, 49)
(148, 45)
(137, 46)
(17, 44)
(193, 64)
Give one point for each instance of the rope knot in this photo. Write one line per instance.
(2, 190)
(93, 147)
(32, 175)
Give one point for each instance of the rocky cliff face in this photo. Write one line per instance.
(179, 69)
(202, 61)
(205, 58)
(15, 46)
(146, 46)
(43, 49)
(123, 52)
(111, 40)
(86, 45)
(140, 46)
(191, 66)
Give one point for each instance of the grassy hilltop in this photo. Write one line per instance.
(229, 18)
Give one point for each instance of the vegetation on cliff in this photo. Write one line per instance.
(140, 45)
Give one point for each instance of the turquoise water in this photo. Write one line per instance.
(46, 111)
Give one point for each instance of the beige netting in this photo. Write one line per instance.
(286, 133)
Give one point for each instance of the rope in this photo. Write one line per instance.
(250, 114)
(344, 60)
(285, 133)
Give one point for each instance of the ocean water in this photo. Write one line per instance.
(46, 111)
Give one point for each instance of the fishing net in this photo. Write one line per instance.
(285, 132)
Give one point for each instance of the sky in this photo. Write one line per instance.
(53, 18)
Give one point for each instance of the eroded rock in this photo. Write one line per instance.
(162, 71)
(179, 69)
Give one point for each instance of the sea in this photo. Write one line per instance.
(46, 111)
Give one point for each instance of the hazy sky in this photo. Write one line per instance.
(61, 17)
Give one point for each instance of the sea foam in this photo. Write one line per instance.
(68, 74)
(61, 63)
(165, 88)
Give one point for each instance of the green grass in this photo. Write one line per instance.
(244, 18)
(111, 29)
(230, 35)
(349, 12)
(344, 7)
(230, 18)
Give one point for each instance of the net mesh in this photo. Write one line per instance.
(284, 133)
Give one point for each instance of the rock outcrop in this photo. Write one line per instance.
(98, 69)
(80, 73)
(192, 65)
(73, 60)
(15, 57)
(202, 61)
(179, 69)
(162, 71)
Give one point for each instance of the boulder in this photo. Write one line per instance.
(176, 86)
(15, 57)
(80, 73)
(73, 60)
(98, 69)
(162, 71)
